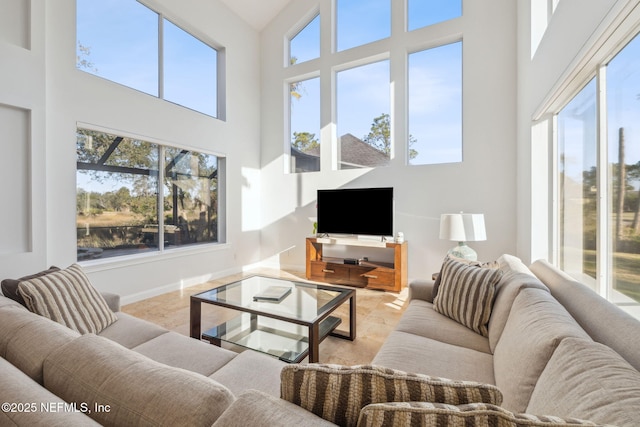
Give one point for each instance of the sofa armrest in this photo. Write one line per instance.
(113, 300)
(255, 408)
(421, 289)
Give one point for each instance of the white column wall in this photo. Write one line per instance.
(61, 96)
(484, 182)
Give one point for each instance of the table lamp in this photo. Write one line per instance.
(462, 228)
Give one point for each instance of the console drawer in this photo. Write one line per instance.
(377, 278)
(329, 271)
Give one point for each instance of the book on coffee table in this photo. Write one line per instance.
(273, 294)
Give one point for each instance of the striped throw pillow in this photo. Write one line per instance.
(338, 393)
(67, 297)
(470, 415)
(466, 294)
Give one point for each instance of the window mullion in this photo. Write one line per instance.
(160, 56)
(160, 198)
(603, 239)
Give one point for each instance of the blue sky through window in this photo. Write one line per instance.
(190, 74)
(122, 36)
(421, 13)
(305, 45)
(118, 40)
(435, 104)
(361, 22)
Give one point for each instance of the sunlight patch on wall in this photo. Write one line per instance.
(250, 199)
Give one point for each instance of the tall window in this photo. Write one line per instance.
(305, 125)
(120, 41)
(577, 163)
(435, 105)
(363, 111)
(599, 215)
(122, 181)
(623, 115)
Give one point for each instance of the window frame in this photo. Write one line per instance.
(593, 65)
(220, 53)
(332, 61)
(161, 178)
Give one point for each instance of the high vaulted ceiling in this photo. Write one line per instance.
(258, 13)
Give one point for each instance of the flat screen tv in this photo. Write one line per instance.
(356, 211)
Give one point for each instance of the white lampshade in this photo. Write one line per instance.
(462, 227)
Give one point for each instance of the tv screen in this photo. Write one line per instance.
(359, 211)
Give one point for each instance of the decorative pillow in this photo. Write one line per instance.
(10, 286)
(337, 393)
(436, 283)
(470, 415)
(67, 297)
(466, 294)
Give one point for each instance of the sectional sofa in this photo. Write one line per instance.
(552, 347)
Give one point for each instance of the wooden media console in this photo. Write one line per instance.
(365, 274)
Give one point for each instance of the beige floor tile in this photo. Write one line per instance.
(377, 314)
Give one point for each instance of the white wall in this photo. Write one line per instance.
(61, 96)
(484, 182)
(22, 137)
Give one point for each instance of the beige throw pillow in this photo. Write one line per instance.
(67, 297)
(466, 293)
(337, 393)
(470, 415)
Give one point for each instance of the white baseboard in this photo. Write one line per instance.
(186, 283)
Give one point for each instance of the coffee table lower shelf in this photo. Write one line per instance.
(290, 344)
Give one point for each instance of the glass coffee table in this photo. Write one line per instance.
(283, 318)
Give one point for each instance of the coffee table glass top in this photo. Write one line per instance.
(306, 302)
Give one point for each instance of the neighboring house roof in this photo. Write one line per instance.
(354, 153)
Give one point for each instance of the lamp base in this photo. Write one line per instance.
(464, 252)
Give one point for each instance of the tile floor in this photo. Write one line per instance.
(378, 313)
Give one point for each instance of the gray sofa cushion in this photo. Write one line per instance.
(507, 262)
(17, 388)
(130, 331)
(138, 390)
(257, 409)
(420, 318)
(251, 370)
(585, 379)
(421, 289)
(593, 313)
(510, 285)
(413, 353)
(470, 415)
(26, 339)
(183, 352)
(536, 325)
